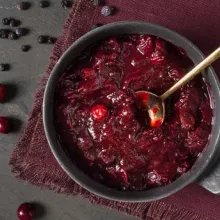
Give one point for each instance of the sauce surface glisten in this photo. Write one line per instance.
(105, 131)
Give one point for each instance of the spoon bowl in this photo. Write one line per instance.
(154, 104)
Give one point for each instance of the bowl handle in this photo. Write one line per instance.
(210, 180)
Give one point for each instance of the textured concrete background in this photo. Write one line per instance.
(22, 79)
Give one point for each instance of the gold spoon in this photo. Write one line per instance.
(154, 104)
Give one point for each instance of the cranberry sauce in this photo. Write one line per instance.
(105, 132)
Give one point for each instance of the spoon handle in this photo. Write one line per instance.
(191, 74)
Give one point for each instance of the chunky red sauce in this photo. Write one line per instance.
(105, 132)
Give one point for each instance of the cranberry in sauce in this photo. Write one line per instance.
(105, 131)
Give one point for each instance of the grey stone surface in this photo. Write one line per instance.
(22, 79)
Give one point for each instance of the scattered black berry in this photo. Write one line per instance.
(44, 4)
(12, 36)
(66, 4)
(42, 39)
(21, 31)
(3, 33)
(13, 23)
(6, 21)
(23, 5)
(106, 11)
(2, 67)
(51, 40)
(97, 3)
(25, 48)
(94, 26)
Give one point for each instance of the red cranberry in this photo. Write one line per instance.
(25, 211)
(4, 125)
(99, 112)
(2, 92)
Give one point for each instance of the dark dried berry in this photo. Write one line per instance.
(13, 23)
(51, 40)
(21, 31)
(94, 26)
(23, 5)
(12, 36)
(3, 67)
(106, 11)
(6, 21)
(66, 4)
(97, 3)
(25, 48)
(42, 39)
(44, 4)
(3, 34)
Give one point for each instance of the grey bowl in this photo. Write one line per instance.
(120, 28)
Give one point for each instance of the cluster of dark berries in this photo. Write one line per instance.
(5, 33)
(11, 35)
(66, 4)
(46, 40)
(10, 22)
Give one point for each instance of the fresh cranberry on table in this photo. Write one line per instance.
(25, 211)
(99, 112)
(2, 92)
(4, 125)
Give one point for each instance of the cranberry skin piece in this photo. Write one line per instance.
(4, 125)
(25, 211)
(157, 58)
(87, 73)
(145, 45)
(2, 92)
(99, 112)
(187, 120)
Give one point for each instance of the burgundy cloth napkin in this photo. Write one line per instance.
(32, 159)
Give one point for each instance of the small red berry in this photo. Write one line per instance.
(25, 211)
(99, 112)
(2, 92)
(4, 125)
